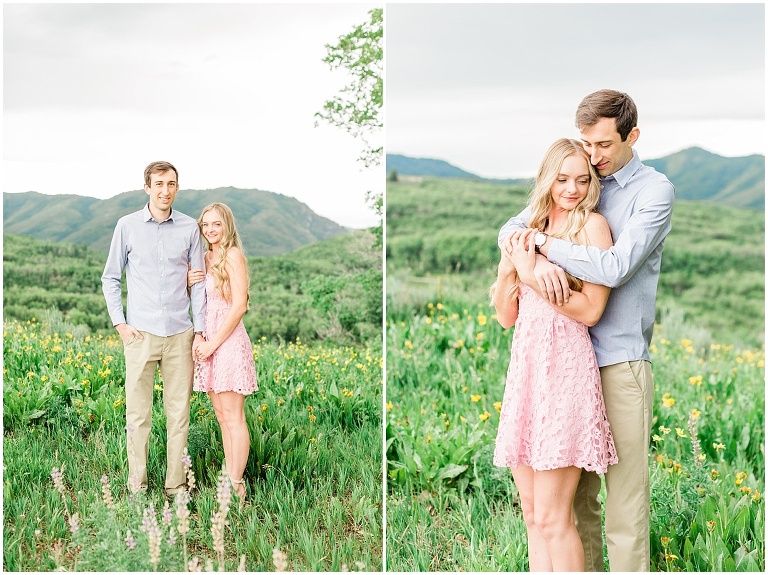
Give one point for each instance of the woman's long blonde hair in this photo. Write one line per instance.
(540, 200)
(229, 239)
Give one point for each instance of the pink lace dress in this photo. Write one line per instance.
(553, 414)
(231, 366)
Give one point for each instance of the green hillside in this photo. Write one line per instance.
(269, 224)
(712, 267)
(702, 175)
(330, 289)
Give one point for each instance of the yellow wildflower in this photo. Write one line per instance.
(680, 432)
(664, 430)
(485, 415)
(695, 413)
(482, 319)
(475, 398)
(668, 400)
(390, 406)
(497, 405)
(740, 477)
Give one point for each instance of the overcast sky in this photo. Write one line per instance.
(489, 87)
(226, 92)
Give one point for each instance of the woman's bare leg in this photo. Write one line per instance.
(538, 552)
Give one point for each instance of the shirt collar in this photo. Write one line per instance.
(148, 215)
(623, 176)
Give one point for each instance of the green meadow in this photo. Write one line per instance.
(448, 507)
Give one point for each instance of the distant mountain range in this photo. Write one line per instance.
(696, 173)
(269, 224)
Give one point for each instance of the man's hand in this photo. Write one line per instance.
(552, 281)
(549, 277)
(128, 333)
(199, 339)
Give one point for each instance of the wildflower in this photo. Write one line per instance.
(695, 413)
(475, 398)
(167, 515)
(106, 494)
(756, 496)
(74, 523)
(668, 400)
(57, 481)
(695, 380)
(264, 407)
(670, 556)
(497, 406)
(312, 417)
(664, 542)
(463, 419)
(219, 517)
(428, 320)
(740, 477)
(408, 344)
(279, 560)
(130, 542)
(186, 461)
(680, 432)
(658, 438)
(447, 423)
(711, 526)
(715, 474)
(429, 438)
(485, 415)
(664, 430)
(745, 489)
(482, 319)
(158, 387)
(709, 398)
(390, 406)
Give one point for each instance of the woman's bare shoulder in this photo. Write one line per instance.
(598, 231)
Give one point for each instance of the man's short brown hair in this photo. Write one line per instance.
(158, 168)
(608, 104)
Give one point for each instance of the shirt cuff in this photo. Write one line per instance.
(558, 251)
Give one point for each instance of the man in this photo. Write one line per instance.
(637, 202)
(155, 246)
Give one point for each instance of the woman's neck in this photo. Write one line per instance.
(556, 220)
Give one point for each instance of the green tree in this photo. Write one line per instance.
(357, 108)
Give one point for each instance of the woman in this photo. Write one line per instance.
(553, 421)
(224, 366)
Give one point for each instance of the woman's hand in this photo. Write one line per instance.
(203, 350)
(522, 252)
(194, 276)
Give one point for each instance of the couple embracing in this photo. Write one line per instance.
(161, 251)
(578, 277)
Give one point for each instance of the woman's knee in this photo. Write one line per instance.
(552, 524)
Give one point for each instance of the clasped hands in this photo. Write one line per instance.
(519, 250)
(202, 349)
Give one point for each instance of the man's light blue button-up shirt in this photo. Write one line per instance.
(637, 202)
(155, 256)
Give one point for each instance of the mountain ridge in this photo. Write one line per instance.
(269, 223)
(696, 173)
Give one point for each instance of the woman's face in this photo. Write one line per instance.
(572, 183)
(213, 227)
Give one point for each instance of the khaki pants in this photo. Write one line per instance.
(628, 392)
(173, 354)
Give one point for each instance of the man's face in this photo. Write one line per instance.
(162, 190)
(606, 150)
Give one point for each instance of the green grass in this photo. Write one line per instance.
(314, 472)
(449, 508)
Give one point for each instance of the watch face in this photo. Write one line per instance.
(540, 239)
